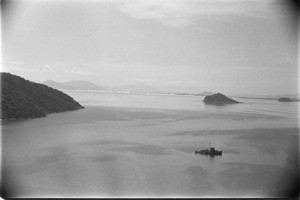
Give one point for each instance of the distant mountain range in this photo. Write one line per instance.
(143, 89)
(132, 88)
(205, 93)
(74, 85)
(136, 88)
(86, 85)
(23, 99)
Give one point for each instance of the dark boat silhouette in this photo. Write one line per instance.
(211, 151)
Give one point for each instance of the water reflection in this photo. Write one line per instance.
(211, 156)
(222, 106)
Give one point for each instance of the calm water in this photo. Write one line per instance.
(143, 146)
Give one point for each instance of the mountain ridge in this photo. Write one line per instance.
(74, 85)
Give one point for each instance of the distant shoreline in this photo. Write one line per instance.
(168, 93)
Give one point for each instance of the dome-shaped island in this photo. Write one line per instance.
(218, 98)
(285, 99)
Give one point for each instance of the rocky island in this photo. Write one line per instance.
(23, 99)
(285, 99)
(218, 98)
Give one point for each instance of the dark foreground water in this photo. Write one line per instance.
(143, 146)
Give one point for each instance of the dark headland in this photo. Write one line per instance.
(23, 99)
(218, 98)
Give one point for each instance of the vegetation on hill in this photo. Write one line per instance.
(21, 99)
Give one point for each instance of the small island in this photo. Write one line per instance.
(218, 98)
(285, 99)
(23, 99)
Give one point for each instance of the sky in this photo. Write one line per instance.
(237, 47)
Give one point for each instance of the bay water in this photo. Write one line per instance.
(137, 145)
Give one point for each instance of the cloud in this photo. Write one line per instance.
(16, 63)
(185, 12)
(66, 70)
(23, 69)
(85, 73)
(46, 68)
(20, 66)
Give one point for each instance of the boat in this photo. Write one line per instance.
(211, 151)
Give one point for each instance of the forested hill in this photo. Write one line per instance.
(22, 99)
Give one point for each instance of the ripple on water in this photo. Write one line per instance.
(103, 158)
(199, 181)
(143, 149)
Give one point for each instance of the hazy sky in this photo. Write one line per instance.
(228, 46)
